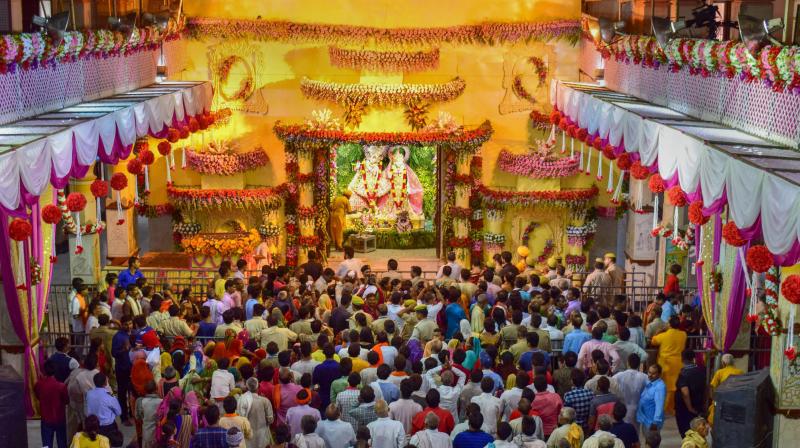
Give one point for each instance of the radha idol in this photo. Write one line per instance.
(369, 185)
(405, 189)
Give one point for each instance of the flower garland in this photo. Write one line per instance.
(223, 245)
(536, 166)
(526, 233)
(540, 121)
(578, 198)
(154, 211)
(186, 228)
(460, 212)
(269, 230)
(417, 115)
(541, 74)
(460, 242)
(32, 50)
(246, 86)
(382, 94)
(776, 66)
(308, 242)
(580, 235)
(300, 138)
(269, 198)
(70, 227)
(384, 61)
(490, 33)
(547, 252)
(575, 263)
(225, 164)
(304, 213)
(494, 239)
(770, 319)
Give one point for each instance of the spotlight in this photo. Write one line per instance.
(665, 29)
(604, 30)
(755, 32)
(123, 24)
(55, 26)
(160, 21)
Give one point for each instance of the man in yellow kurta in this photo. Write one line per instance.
(671, 344)
(339, 210)
(720, 376)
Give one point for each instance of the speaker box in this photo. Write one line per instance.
(744, 416)
(12, 416)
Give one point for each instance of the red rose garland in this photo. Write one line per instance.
(759, 258)
(790, 288)
(676, 196)
(639, 171)
(624, 161)
(656, 184)
(20, 229)
(76, 202)
(51, 214)
(99, 188)
(731, 235)
(696, 215)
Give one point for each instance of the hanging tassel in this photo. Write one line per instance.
(563, 142)
(572, 145)
(580, 161)
(172, 160)
(618, 191)
(120, 220)
(183, 157)
(610, 183)
(599, 166)
(552, 137)
(22, 267)
(699, 246)
(78, 238)
(169, 174)
(790, 352)
(136, 189)
(675, 216)
(639, 197)
(588, 161)
(97, 211)
(655, 208)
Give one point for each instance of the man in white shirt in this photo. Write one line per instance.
(510, 397)
(306, 364)
(448, 392)
(321, 284)
(385, 432)
(222, 381)
(630, 384)
(391, 271)
(404, 409)
(491, 406)
(335, 432)
(604, 422)
(455, 268)
(349, 263)
(430, 437)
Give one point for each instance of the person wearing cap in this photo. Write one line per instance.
(552, 266)
(423, 330)
(295, 414)
(615, 272)
(598, 284)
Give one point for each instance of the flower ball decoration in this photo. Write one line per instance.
(582, 134)
(676, 196)
(134, 167)
(597, 143)
(193, 125)
(656, 184)
(696, 215)
(609, 152)
(555, 117)
(184, 132)
(164, 148)
(147, 157)
(51, 214)
(790, 289)
(99, 188)
(20, 229)
(76, 202)
(639, 171)
(624, 161)
(173, 135)
(563, 124)
(759, 259)
(731, 235)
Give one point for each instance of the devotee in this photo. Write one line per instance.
(296, 413)
(624, 431)
(446, 421)
(547, 403)
(146, 412)
(726, 370)
(491, 406)
(671, 344)
(364, 413)
(629, 385)
(579, 398)
(90, 437)
(690, 393)
(696, 436)
(258, 411)
(53, 399)
(597, 343)
(474, 436)
(650, 414)
(131, 275)
(333, 431)
(387, 432)
(601, 437)
(350, 263)
(598, 283)
(602, 403)
(455, 268)
(567, 430)
(211, 435)
(430, 437)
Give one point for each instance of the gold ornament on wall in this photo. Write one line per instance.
(236, 77)
(524, 81)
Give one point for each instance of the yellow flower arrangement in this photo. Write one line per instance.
(224, 245)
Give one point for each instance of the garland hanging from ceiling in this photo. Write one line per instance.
(381, 94)
(269, 198)
(226, 164)
(490, 33)
(384, 61)
(578, 198)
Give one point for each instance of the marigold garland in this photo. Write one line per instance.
(489, 33)
(639, 171)
(555, 198)
(535, 166)
(676, 196)
(226, 164)
(224, 245)
(269, 198)
(384, 61)
(381, 94)
(695, 213)
(656, 184)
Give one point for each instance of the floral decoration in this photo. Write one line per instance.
(695, 213)
(354, 111)
(460, 212)
(539, 121)
(246, 85)
(308, 241)
(384, 61)
(51, 214)
(580, 235)
(541, 74)
(269, 198)
(306, 212)
(99, 188)
(225, 164)
(382, 94)
(224, 244)
(537, 165)
(639, 171)
(269, 230)
(417, 115)
(20, 229)
(555, 198)
(770, 319)
(575, 263)
(489, 33)
(494, 239)
(663, 231)
(547, 251)
(676, 196)
(790, 289)
(460, 242)
(656, 184)
(731, 235)
(759, 258)
(154, 211)
(186, 228)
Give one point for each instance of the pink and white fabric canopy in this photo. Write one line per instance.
(55, 146)
(758, 179)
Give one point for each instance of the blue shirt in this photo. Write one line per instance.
(667, 311)
(125, 278)
(526, 359)
(206, 329)
(102, 404)
(454, 314)
(390, 391)
(574, 340)
(248, 307)
(651, 404)
(324, 375)
(472, 439)
(498, 380)
(119, 350)
(210, 437)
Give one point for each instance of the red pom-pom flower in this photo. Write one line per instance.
(676, 196)
(147, 157)
(164, 148)
(563, 124)
(639, 171)
(696, 215)
(790, 288)
(51, 214)
(555, 117)
(184, 132)
(656, 184)
(731, 235)
(20, 229)
(597, 143)
(624, 161)
(609, 152)
(193, 125)
(173, 135)
(759, 259)
(581, 134)
(76, 202)
(135, 167)
(202, 122)
(99, 188)
(119, 181)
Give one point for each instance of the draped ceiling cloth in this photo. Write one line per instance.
(49, 149)
(758, 180)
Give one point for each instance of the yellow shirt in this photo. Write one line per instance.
(281, 336)
(320, 357)
(81, 440)
(219, 287)
(722, 374)
(359, 364)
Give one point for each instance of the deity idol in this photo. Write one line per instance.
(405, 193)
(369, 185)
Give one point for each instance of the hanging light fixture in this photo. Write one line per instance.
(665, 30)
(55, 26)
(756, 33)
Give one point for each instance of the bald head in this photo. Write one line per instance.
(332, 412)
(727, 359)
(431, 421)
(566, 416)
(381, 408)
(447, 378)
